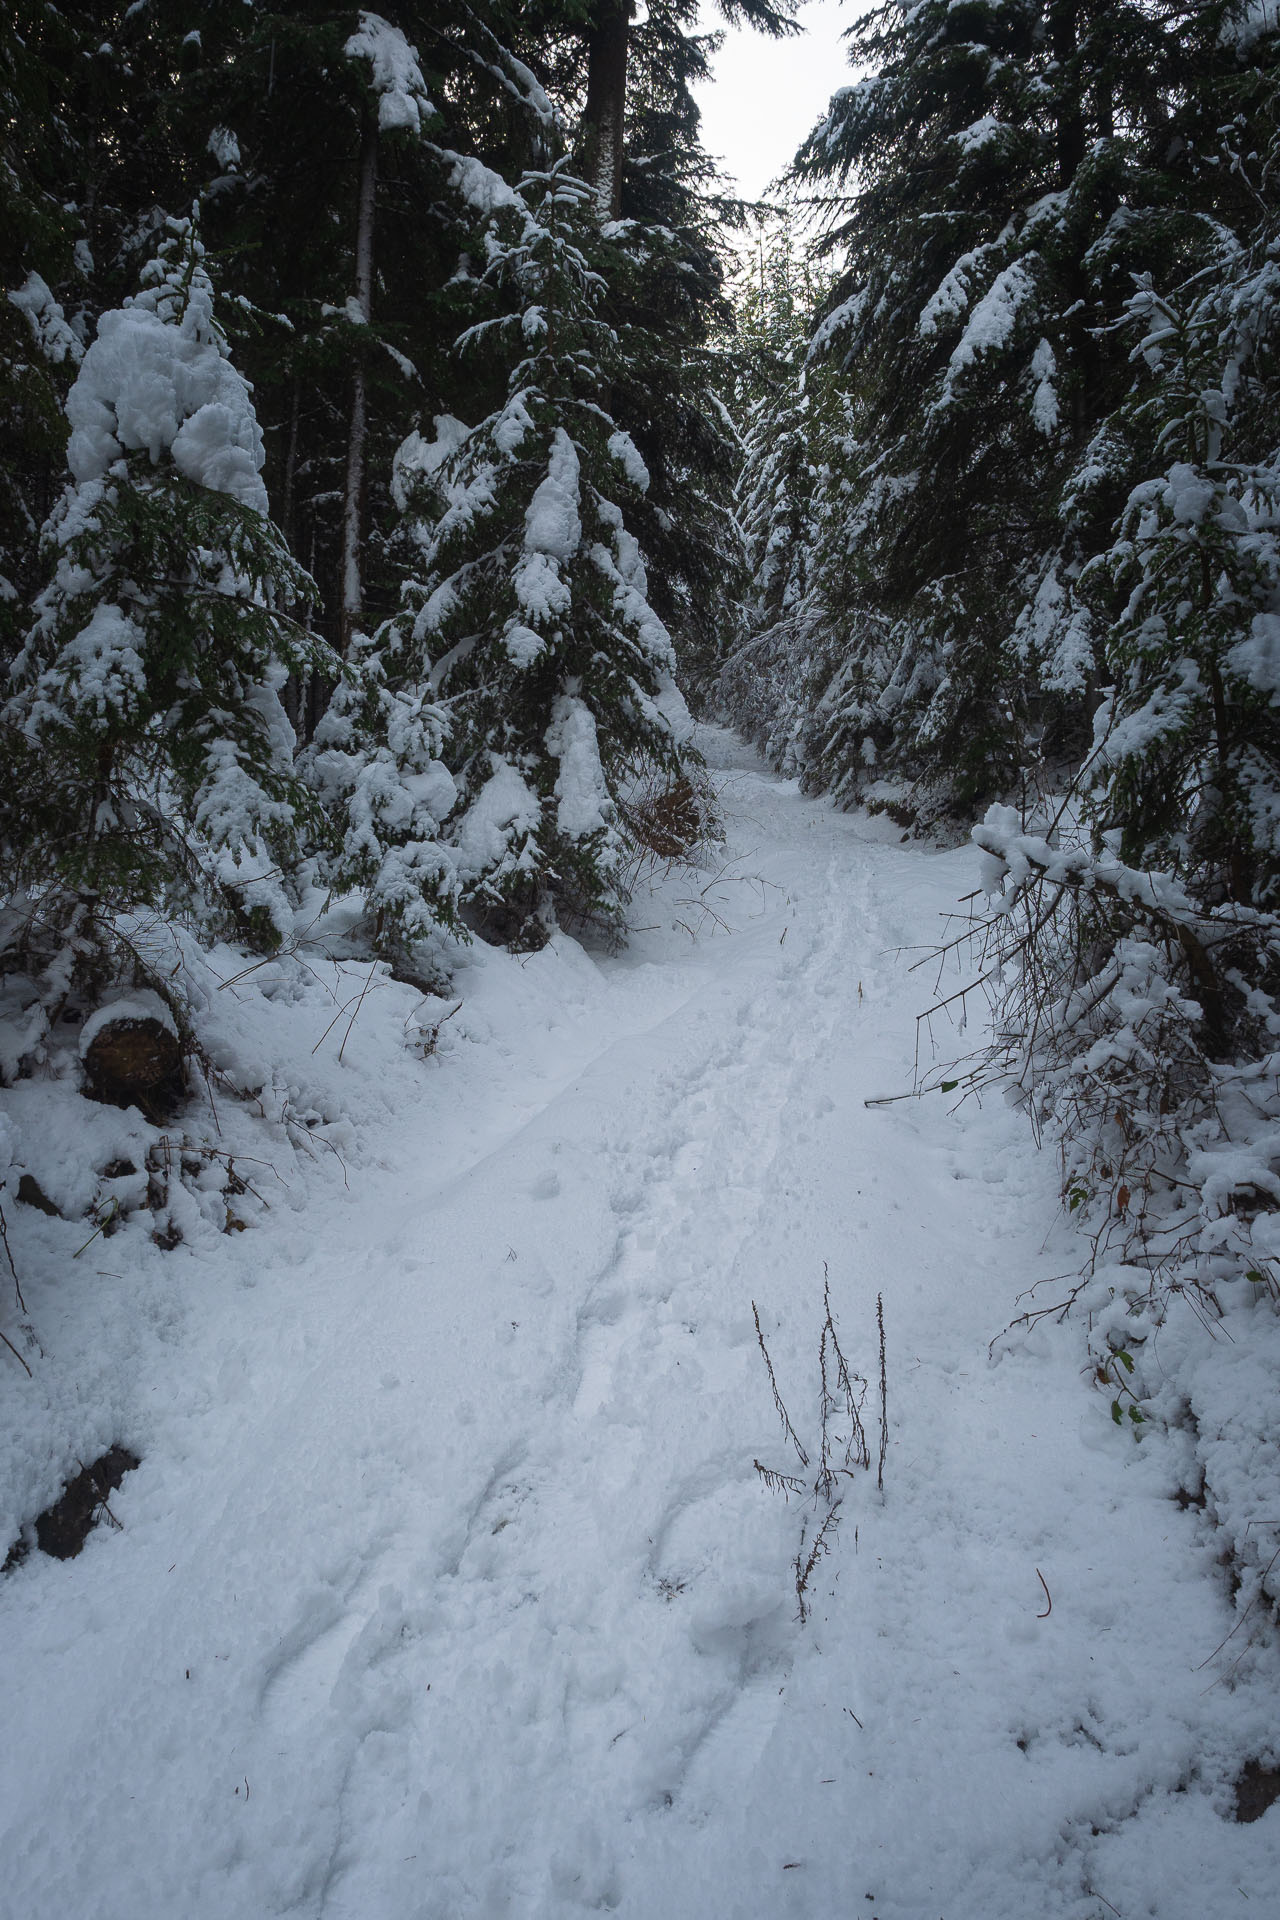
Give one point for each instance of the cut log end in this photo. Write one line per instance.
(132, 1058)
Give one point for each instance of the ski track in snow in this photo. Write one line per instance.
(450, 1590)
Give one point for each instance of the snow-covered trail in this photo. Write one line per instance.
(448, 1587)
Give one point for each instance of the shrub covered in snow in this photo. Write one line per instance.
(1139, 1030)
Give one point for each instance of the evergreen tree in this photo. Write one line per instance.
(670, 384)
(147, 717)
(780, 399)
(633, 71)
(790, 413)
(395, 81)
(39, 350)
(378, 764)
(529, 619)
(1010, 159)
(1187, 764)
(324, 216)
(617, 51)
(346, 164)
(1134, 963)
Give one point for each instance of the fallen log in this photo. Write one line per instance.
(130, 1050)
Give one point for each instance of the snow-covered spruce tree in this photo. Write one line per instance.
(623, 78)
(1138, 976)
(324, 207)
(1186, 769)
(146, 700)
(664, 262)
(668, 393)
(1140, 963)
(1003, 160)
(39, 351)
(1187, 765)
(788, 411)
(776, 298)
(377, 762)
(402, 108)
(1131, 949)
(528, 620)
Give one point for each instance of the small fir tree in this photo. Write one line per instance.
(790, 411)
(377, 760)
(147, 704)
(529, 619)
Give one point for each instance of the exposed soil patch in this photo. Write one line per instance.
(32, 1194)
(61, 1530)
(1257, 1789)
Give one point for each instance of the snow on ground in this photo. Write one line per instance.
(447, 1587)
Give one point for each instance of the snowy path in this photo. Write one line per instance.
(448, 1589)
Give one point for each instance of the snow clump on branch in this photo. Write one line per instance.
(396, 76)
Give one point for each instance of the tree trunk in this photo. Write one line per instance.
(1064, 36)
(287, 521)
(293, 694)
(128, 1060)
(604, 115)
(353, 499)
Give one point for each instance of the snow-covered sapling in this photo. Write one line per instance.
(146, 710)
(528, 619)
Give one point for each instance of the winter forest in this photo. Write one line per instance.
(639, 965)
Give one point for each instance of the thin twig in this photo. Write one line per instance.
(17, 1356)
(783, 1415)
(356, 999)
(356, 1015)
(1245, 1615)
(884, 1395)
(817, 1551)
(784, 1483)
(1048, 1596)
(17, 1284)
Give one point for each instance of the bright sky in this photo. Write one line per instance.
(767, 94)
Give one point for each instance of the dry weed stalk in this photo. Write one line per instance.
(843, 1448)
